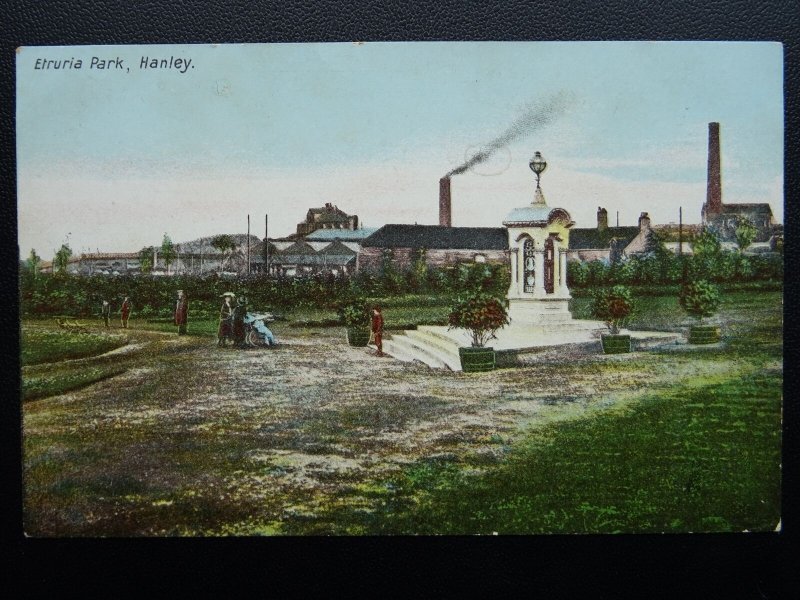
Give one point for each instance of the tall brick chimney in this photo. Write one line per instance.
(444, 202)
(602, 219)
(714, 188)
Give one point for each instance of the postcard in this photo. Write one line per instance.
(428, 288)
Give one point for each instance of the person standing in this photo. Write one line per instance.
(377, 329)
(125, 312)
(238, 321)
(106, 311)
(182, 312)
(225, 330)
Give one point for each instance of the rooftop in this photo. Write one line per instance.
(436, 237)
(586, 239)
(346, 235)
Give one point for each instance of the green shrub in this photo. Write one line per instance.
(699, 299)
(481, 315)
(354, 314)
(613, 306)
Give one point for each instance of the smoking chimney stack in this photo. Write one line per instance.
(714, 188)
(444, 202)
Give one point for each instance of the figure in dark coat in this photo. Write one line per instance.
(182, 312)
(125, 312)
(238, 322)
(106, 311)
(225, 330)
(377, 329)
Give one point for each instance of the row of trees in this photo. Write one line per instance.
(62, 293)
(224, 244)
(659, 266)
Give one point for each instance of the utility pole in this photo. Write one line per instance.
(248, 244)
(680, 231)
(266, 243)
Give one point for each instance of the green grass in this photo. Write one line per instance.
(61, 381)
(197, 327)
(703, 461)
(41, 345)
(696, 450)
(702, 454)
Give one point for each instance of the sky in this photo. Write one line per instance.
(112, 159)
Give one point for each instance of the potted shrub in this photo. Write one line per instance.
(355, 317)
(701, 299)
(482, 316)
(613, 306)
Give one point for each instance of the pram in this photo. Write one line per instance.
(256, 332)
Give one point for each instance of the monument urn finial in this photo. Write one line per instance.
(538, 164)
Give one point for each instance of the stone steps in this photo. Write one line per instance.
(405, 347)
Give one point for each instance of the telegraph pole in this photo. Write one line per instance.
(266, 243)
(248, 244)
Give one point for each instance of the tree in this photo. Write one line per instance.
(33, 262)
(168, 251)
(146, 259)
(225, 245)
(745, 233)
(613, 306)
(706, 255)
(480, 314)
(61, 259)
(706, 244)
(699, 299)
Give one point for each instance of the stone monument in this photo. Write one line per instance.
(538, 239)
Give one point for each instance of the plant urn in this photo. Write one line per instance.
(616, 344)
(476, 360)
(704, 334)
(358, 336)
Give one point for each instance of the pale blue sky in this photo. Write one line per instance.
(279, 128)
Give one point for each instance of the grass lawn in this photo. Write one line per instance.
(703, 460)
(700, 455)
(315, 437)
(44, 345)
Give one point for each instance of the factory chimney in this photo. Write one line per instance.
(714, 188)
(602, 219)
(444, 202)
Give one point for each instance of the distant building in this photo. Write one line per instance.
(608, 244)
(327, 217)
(724, 218)
(442, 246)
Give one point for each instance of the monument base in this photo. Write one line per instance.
(539, 311)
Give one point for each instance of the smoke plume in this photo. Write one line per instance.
(535, 116)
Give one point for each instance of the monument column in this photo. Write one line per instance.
(513, 256)
(562, 264)
(538, 273)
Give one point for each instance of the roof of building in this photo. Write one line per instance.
(337, 248)
(436, 237)
(671, 232)
(336, 260)
(585, 238)
(535, 213)
(346, 235)
(761, 208)
(299, 247)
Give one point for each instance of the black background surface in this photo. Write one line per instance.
(646, 566)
